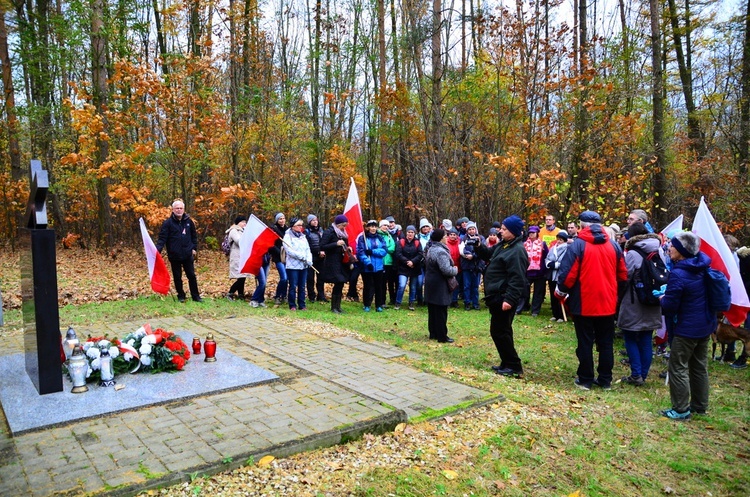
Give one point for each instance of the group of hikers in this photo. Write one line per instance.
(517, 265)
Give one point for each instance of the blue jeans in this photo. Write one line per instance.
(413, 283)
(420, 288)
(283, 281)
(638, 346)
(297, 283)
(259, 295)
(471, 288)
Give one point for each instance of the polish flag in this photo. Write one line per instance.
(353, 213)
(157, 270)
(714, 246)
(254, 243)
(673, 227)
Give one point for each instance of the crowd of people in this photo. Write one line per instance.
(590, 271)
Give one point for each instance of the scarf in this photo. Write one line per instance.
(534, 249)
(339, 233)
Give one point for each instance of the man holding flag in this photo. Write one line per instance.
(179, 236)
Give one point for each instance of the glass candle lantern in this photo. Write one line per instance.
(78, 366)
(107, 372)
(196, 346)
(210, 348)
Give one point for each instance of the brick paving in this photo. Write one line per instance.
(328, 391)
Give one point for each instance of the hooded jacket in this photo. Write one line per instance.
(633, 315)
(685, 302)
(179, 236)
(589, 273)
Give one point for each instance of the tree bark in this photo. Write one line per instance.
(659, 181)
(744, 156)
(100, 92)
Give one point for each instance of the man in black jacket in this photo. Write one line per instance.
(179, 236)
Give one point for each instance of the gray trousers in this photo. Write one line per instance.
(688, 374)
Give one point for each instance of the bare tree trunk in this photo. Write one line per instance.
(659, 181)
(695, 134)
(626, 59)
(383, 180)
(10, 103)
(744, 156)
(436, 133)
(100, 91)
(161, 43)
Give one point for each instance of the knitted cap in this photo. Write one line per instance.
(514, 224)
(340, 219)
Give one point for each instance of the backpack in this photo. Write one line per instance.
(403, 242)
(651, 276)
(718, 292)
(226, 245)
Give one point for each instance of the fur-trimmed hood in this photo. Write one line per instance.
(633, 240)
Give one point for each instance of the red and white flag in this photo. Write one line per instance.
(353, 213)
(673, 227)
(714, 246)
(157, 269)
(254, 243)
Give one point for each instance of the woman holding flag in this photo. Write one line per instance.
(339, 259)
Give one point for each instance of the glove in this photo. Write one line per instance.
(471, 241)
(368, 251)
(660, 292)
(561, 296)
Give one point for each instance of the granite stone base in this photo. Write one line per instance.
(26, 410)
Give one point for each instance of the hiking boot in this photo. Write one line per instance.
(633, 380)
(581, 385)
(675, 415)
(508, 372)
(604, 386)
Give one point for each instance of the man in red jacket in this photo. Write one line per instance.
(588, 274)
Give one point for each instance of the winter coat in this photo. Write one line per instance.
(179, 236)
(455, 251)
(390, 247)
(275, 251)
(314, 235)
(635, 316)
(474, 264)
(438, 268)
(235, 233)
(685, 302)
(298, 255)
(374, 262)
(409, 251)
(553, 260)
(334, 270)
(505, 276)
(589, 273)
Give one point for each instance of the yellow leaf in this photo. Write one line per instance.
(265, 461)
(450, 474)
(577, 493)
(400, 427)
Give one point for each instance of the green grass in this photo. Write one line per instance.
(557, 440)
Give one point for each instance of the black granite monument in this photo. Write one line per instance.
(41, 318)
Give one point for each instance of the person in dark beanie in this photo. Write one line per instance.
(316, 287)
(339, 259)
(589, 276)
(504, 286)
(439, 267)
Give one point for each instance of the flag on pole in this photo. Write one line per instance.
(673, 227)
(255, 241)
(157, 269)
(714, 246)
(353, 213)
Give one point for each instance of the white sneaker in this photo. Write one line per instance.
(254, 304)
(553, 319)
(262, 304)
(561, 320)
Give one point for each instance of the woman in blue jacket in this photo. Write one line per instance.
(371, 251)
(686, 305)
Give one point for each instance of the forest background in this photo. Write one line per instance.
(437, 109)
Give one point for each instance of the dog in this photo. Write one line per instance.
(726, 334)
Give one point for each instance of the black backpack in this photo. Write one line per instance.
(651, 276)
(226, 245)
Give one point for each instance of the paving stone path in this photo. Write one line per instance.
(329, 391)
